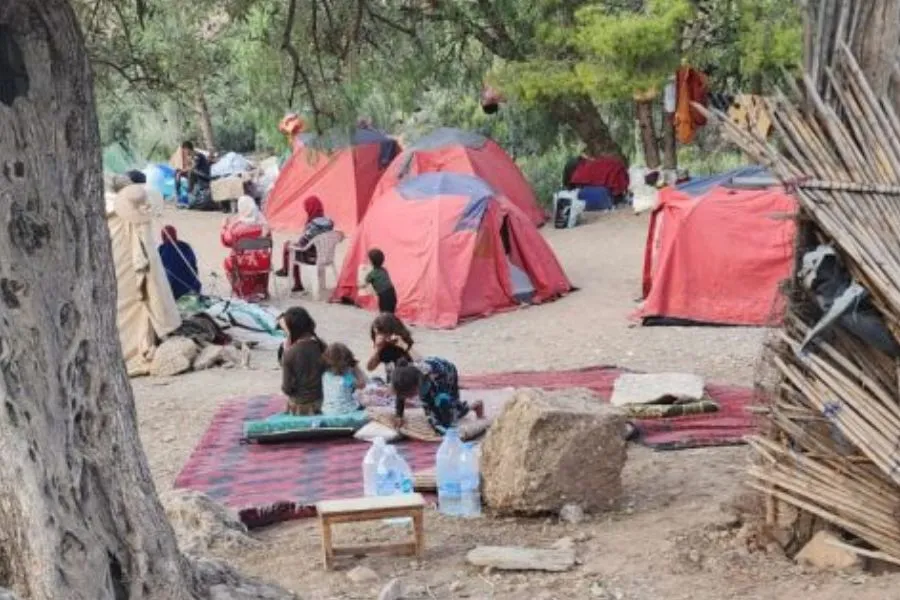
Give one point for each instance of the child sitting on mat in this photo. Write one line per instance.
(435, 383)
(392, 342)
(302, 364)
(340, 380)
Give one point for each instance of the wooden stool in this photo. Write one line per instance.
(372, 509)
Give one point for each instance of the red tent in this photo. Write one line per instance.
(717, 250)
(454, 249)
(456, 151)
(342, 173)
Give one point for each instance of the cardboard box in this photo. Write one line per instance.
(227, 188)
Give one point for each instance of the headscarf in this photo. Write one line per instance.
(314, 208)
(169, 235)
(249, 214)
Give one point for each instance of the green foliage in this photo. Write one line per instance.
(544, 171)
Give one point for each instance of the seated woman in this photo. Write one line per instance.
(392, 342)
(180, 263)
(302, 364)
(316, 224)
(434, 381)
(247, 270)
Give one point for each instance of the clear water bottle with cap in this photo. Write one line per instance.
(370, 466)
(470, 481)
(393, 475)
(447, 474)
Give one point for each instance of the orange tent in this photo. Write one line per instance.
(717, 250)
(343, 173)
(455, 250)
(457, 151)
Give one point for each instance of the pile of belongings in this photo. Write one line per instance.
(661, 395)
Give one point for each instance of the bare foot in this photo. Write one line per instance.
(478, 409)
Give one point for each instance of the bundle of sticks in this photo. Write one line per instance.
(831, 445)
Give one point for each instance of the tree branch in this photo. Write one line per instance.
(299, 73)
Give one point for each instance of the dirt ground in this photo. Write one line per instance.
(669, 539)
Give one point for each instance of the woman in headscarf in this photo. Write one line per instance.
(180, 263)
(316, 224)
(248, 270)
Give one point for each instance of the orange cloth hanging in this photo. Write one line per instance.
(691, 87)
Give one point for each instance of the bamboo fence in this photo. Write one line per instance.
(831, 444)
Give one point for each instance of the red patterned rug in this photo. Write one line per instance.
(268, 483)
(728, 426)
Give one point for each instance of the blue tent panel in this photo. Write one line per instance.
(701, 185)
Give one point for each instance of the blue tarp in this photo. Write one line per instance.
(701, 185)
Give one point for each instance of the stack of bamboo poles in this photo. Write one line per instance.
(831, 447)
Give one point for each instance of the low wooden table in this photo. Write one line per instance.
(357, 510)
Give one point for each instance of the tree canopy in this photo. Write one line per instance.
(568, 68)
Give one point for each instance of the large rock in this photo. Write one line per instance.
(640, 388)
(547, 450)
(203, 526)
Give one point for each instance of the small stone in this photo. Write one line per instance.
(694, 556)
(582, 537)
(361, 575)
(487, 571)
(457, 585)
(572, 514)
(598, 591)
(392, 591)
(858, 579)
(821, 553)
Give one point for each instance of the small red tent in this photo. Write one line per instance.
(717, 250)
(455, 250)
(457, 151)
(342, 172)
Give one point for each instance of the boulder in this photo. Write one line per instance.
(175, 355)
(550, 449)
(639, 388)
(826, 552)
(202, 526)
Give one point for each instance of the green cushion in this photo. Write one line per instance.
(286, 427)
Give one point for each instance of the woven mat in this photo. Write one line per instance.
(416, 426)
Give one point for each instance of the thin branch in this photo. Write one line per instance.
(299, 72)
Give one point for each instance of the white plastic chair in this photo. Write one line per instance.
(326, 247)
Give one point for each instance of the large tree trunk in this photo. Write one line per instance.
(644, 114)
(79, 516)
(203, 116)
(877, 45)
(581, 114)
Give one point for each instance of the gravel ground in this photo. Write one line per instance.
(669, 539)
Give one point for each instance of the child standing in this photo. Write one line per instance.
(341, 378)
(381, 283)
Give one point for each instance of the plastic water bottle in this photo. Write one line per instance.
(447, 472)
(470, 482)
(370, 466)
(393, 475)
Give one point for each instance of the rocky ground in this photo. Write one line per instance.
(672, 536)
